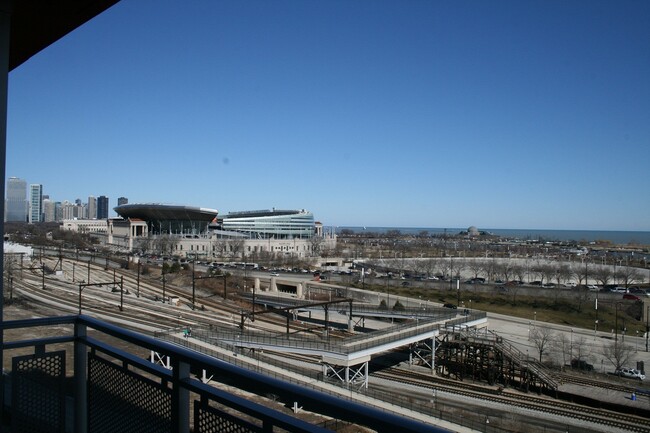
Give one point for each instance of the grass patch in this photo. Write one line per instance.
(541, 308)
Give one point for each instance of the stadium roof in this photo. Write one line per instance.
(163, 212)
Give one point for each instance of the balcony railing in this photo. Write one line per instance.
(112, 387)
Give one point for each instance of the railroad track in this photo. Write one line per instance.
(554, 407)
(62, 293)
(586, 381)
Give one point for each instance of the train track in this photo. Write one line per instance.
(606, 418)
(146, 310)
(591, 382)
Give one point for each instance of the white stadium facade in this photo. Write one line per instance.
(194, 232)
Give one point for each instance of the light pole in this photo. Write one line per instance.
(571, 346)
(616, 329)
(137, 293)
(163, 281)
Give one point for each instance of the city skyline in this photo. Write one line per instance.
(420, 114)
(23, 204)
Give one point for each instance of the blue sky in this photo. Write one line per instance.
(498, 114)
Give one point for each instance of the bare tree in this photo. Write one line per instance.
(547, 272)
(582, 297)
(562, 345)
(475, 267)
(603, 274)
(617, 353)
(144, 244)
(519, 271)
(164, 244)
(562, 274)
(505, 269)
(629, 275)
(236, 247)
(581, 272)
(317, 243)
(219, 246)
(580, 347)
(542, 338)
(429, 266)
(490, 269)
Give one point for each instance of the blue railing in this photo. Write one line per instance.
(110, 369)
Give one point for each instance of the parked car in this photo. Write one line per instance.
(476, 280)
(637, 291)
(631, 373)
(619, 290)
(593, 288)
(450, 306)
(581, 364)
(631, 297)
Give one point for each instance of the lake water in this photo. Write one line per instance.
(616, 237)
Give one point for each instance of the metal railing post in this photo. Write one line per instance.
(80, 379)
(180, 398)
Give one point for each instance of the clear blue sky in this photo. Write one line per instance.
(498, 114)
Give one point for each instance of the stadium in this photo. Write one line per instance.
(199, 232)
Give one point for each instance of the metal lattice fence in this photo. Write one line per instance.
(122, 401)
(38, 398)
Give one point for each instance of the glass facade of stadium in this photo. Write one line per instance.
(271, 224)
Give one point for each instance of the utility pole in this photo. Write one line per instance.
(164, 279)
(137, 293)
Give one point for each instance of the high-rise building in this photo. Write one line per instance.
(92, 207)
(102, 207)
(58, 211)
(16, 200)
(49, 210)
(35, 203)
(122, 200)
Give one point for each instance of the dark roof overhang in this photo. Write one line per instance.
(36, 24)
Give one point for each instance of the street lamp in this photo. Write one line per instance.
(571, 346)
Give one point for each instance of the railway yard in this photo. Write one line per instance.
(581, 402)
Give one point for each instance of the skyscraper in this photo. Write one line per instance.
(122, 200)
(92, 207)
(16, 200)
(102, 207)
(35, 203)
(49, 210)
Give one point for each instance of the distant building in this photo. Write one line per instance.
(271, 224)
(71, 211)
(122, 200)
(49, 210)
(16, 200)
(102, 207)
(84, 225)
(35, 203)
(197, 232)
(92, 208)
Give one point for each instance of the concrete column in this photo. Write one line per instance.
(299, 291)
(256, 282)
(273, 287)
(5, 23)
